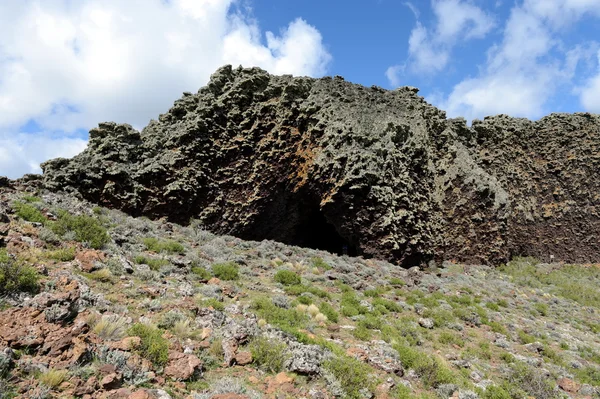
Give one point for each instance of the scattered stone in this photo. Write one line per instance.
(426, 323)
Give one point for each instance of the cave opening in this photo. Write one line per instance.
(314, 231)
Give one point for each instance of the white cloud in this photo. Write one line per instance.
(590, 94)
(70, 65)
(456, 21)
(527, 68)
(22, 153)
(393, 74)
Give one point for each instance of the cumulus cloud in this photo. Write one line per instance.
(590, 93)
(22, 153)
(69, 65)
(526, 69)
(429, 50)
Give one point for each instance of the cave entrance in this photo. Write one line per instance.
(314, 231)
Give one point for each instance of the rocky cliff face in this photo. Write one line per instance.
(328, 164)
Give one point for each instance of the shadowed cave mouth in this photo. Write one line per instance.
(298, 220)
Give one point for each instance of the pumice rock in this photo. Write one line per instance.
(328, 164)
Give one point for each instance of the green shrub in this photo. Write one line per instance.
(201, 273)
(352, 374)
(153, 346)
(387, 304)
(86, 229)
(270, 355)
(524, 380)
(525, 338)
(450, 338)
(498, 328)
(15, 276)
(31, 198)
(495, 392)
(154, 263)
(361, 332)
(329, 311)
(408, 356)
(288, 320)
(433, 372)
(493, 306)
(28, 212)
(53, 378)
(226, 271)
(320, 264)
(397, 282)
(588, 375)
(168, 246)
(300, 289)
(214, 303)
(287, 277)
(62, 254)
(350, 305)
(374, 293)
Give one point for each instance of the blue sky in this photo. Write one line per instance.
(67, 65)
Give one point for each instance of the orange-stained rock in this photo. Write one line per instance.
(568, 385)
(126, 344)
(243, 358)
(182, 366)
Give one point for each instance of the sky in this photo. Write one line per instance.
(67, 65)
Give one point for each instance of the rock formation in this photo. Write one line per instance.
(328, 164)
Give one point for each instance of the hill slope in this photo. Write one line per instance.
(98, 304)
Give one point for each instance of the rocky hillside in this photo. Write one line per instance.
(327, 164)
(95, 303)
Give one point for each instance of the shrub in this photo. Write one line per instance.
(15, 276)
(350, 305)
(53, 378)
(352, 374)
(288, 320)
(495, 392)
(450, 338)
(433, 372)
(588, 375)
(169, 319)
(153, 346)
(498, 328)
(532, 382)
(31, 198)
(330, 312)
(212, 302)
(287, 277)
(201, 273)
(525, 338)
(320, 263)
(397, 282)
(361, 332)
(226, 271)
(28, 212)
(62, 254)
(408, 356)
(300, 289)
(86, 229)
(153, 263)
(102, 275)
(387, 304)
(270, 355)
(108, 329)
(168, 246)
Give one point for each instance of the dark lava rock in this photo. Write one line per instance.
(328, 164)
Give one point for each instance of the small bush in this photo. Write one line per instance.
(168, 246)
(28, 212)
(153, 346)
(86, 229)
(408, 356)
(498, 328)
(201, 273)
(15, 276)
(350, 305)
(433, 372)
(287, 277)
(268, 354)
(352, 374)
(153, 263)
(288, 320)
(31, 198)
(450, 338)
(226, 271)
(495, 392)
(525, 338)
(53, 378)
(320, 264)
(169, 319)
(330, 312)
(397, 282)
(102, 275)
(62, 254)
(212, 303)
(387, 304)
(361, 332)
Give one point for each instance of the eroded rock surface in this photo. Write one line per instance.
(329, 164)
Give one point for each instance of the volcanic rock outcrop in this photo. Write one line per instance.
(328, 164)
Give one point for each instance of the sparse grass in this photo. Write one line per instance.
(300, 289)
(320, 264)
(287, 277)
(167, 246)
(226, 271)
(498, 328)
(153, 346)
(525, 338)
(53, 378)
(16, 276)
(268, 354)
(588, 375)
(451, 338)
(361, 332)
(102, 275)
(110, 329)
(575, 282)
(352, 374)
(397, 282)
(31, 198)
